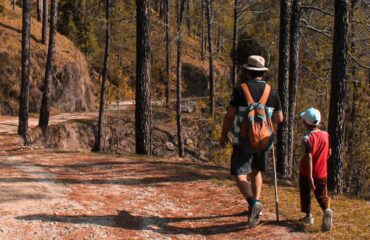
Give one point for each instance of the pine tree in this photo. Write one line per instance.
(45, 102)
(338, 94)
(293, 75)
(44, 21)
(26, 65)
(168, 50)
(180, 20)
(143, 109)
(98, 145)
(211, 65)
(234, 71)
(39, 14)
(282, 135)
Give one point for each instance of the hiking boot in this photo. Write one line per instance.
(327, 221)
(307, 219)
(249, 211)
(254, 218)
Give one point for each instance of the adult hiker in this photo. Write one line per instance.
(250, 99)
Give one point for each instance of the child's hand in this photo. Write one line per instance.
(312, 184)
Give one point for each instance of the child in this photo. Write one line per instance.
(313, 169)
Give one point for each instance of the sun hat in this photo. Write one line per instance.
(311, 116)
(256, 63)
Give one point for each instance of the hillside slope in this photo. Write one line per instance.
(73, 88)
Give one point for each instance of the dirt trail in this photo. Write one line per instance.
(47, 194)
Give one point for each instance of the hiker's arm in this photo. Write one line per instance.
(310, 169)
(278, 117)
(227, 124)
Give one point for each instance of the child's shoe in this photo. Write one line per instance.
(308, 219)
(327, 221)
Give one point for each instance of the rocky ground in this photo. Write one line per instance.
(77, 132)
(51, 194)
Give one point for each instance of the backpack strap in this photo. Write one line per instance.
(265, 94)
(247, 93)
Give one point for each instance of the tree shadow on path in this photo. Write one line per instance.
(161, 225)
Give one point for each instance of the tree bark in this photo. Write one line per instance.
(168, 51)
(162, 8)
(234, 71)
(293, 76)
(282, 134)
(338, 93)
(219, 32)
(211, 66)
(44, 21)
(98, 144)
(25, 75)
(143, 110)
(45, 102)
(180, 141)
(188, 20)
(203, 40)
(39, 14)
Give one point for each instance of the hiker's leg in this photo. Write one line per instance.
(305, 195)
(244, 186)
(256, 182)
(258, 166)
(321, 193)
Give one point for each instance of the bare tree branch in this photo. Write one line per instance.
(318, 9)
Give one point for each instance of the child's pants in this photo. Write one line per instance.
(321, 193)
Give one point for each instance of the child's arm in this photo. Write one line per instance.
(309, 174)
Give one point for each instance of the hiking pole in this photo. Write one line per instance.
(275, 184)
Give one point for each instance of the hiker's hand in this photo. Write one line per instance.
(312, 184)
(223, 141)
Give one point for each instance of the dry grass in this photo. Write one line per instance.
(351, 215)
(66, 54)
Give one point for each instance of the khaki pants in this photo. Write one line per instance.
(321, 193)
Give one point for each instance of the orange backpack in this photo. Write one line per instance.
(257, 130)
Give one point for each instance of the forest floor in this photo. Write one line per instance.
(49, 194)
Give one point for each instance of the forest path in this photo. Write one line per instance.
(48, 194)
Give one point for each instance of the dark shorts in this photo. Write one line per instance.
(242, 163)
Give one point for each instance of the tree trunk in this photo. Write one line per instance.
(39, 14)
(211, 66)
(162, 8)
(45, 102)
(178, 84)
(168, 51)
(282, 134)
(203, 40)
(234, 72)
(44, 21)
(143, 109)
(98, 145)
(188, 20)
(293, 76)
(218, 39)
(355, 95)
(338, 93)
(25, 78)
(14, 4)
